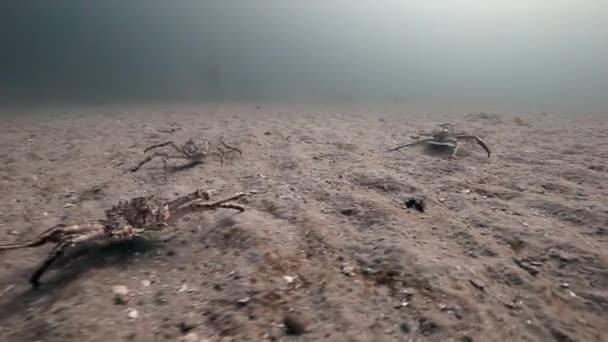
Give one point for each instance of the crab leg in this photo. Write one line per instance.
(163, 156)
(231, 148)
(483, 145)
(198, 194)
(64, 236)
(59, 250)
(202, 206)
(55, 234)
(171, 143)
(55, 254)
(418, 142)
(478, 141)
(455, 145)
(49, 235)
(220, 154)
(147, 159)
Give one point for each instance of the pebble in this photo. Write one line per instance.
(191, 337)
(348, 270)
(477, 285)
(294, 325)
(133, 314)
(146, 283)
(120, 290)
(244, 301)
(402, 304)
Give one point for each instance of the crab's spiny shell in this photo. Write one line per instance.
(149, 212)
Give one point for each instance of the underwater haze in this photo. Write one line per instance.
(516, 54)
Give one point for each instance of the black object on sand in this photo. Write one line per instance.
(415, 203)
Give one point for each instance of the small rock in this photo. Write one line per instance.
(159, 298)
(526, 266)
(427, 326)
(347, 270)
(184, 288)
(120, 290)
(477, 285)
(402, 304)
(120, 300)
(348, 211)
(146, 283)
(133, 314)
(186, 327)
(294, 325)
(289, 279)
(416, 203)
(560, 336)
(243, 301)
(408, 292)
(191, 337)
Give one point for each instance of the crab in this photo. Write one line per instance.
(445, 135)
(124, 221)
(194, 151)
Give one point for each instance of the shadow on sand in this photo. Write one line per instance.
(184, 167)
(66, 270)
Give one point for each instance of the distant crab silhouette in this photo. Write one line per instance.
(194, 151)
(445, 135)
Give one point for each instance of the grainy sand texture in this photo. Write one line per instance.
(510, 248)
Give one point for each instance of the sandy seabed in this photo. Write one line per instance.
(510, 248)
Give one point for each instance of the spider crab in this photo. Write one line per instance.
(124, 221)
(194, 151)
(445, 135)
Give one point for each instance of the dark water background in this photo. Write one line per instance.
(522, 55)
